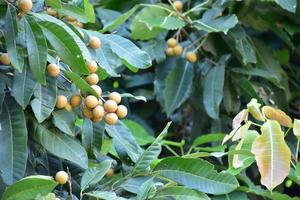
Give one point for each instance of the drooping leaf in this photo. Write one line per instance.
(37, 49)
(178, 86)
(60, 144)
(296, 127)
(28, 188)
(64, 121)
(93, 175)
(213, 90)
(13, 141)
(197, 174)
(272, 155)
(278, 115)
(23, 86)
(45, 99)
(128, 52)
(254, 109)
(10, 32)
(150, 154)
(180, 193)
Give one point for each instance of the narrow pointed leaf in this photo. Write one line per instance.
(272, 155)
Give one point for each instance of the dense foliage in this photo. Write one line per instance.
(149, 99)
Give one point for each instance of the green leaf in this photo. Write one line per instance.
(150, 154)
(92, 134)
(119, 20)
(168, 22)
(64, 121)
(74, 11)
(23, 86)
(296, 127)
(89, 11)
(289, 5)
(124, 141)
(66, 43)
(221, 24)
(248, 90)
(180, 193)
(28, 188)
(53, 3)
(36, 48)
(10, 32)
(104, 195)
(197, 174)
(84, 87)
(272, 155)
(93, 175)
(13, 141)
(232, 196)
(213, 89)
(128, 52)
(178, 86)
(60, 144)
(146, 190)
(208, 138)
(139, 30)
(45, 99)
(139, 98)
(254, 109)
(140, 134)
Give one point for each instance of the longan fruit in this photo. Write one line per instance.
(178, 5)
(52, 12)
(61, 177)
(87, 112)
(115, 96)
(92, 66)
(110, 106)
(170, 51)
(100, 102)
(5, 59)
(98, 89)
(78, 24)
(121, 111)
(91, 101)
(61, 101)
(70, 19)
(92, 79)
(25, 5)
(94, 42)
(111, 118)
(110, 172)
(96, 119)
(53, 69)
(191, 57)
(98, 112)
(75, 100)
(172, 42)
(68, 107)
(178, 50)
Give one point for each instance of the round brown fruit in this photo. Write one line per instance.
(178, 50)
(61, 101)
(5, 59)
(98, 89)
(53, 69)
(61, 177)
(170, 51)
(98, 112)
(52, 12)
(191, 57)
(111, 118)
(115, 96)
(25, 5)
(91, 101)
(68, 107)
(110, 172)
(94, 42)
(178, 5)
(92, 66)
(70, 19)
(92, 79)
(110, 106)
(75, 100)
(172, 42)
(87, 112)
(121, 111)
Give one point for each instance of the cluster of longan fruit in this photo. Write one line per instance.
(70, 19)
(175, 49)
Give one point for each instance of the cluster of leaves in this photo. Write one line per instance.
(245, 50)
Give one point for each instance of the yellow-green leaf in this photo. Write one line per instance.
(278, 115)
(272, 155)
(254, 110)
(296, 127)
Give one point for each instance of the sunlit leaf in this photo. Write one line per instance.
(254, 109)
(278, 115)
(296, 127)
